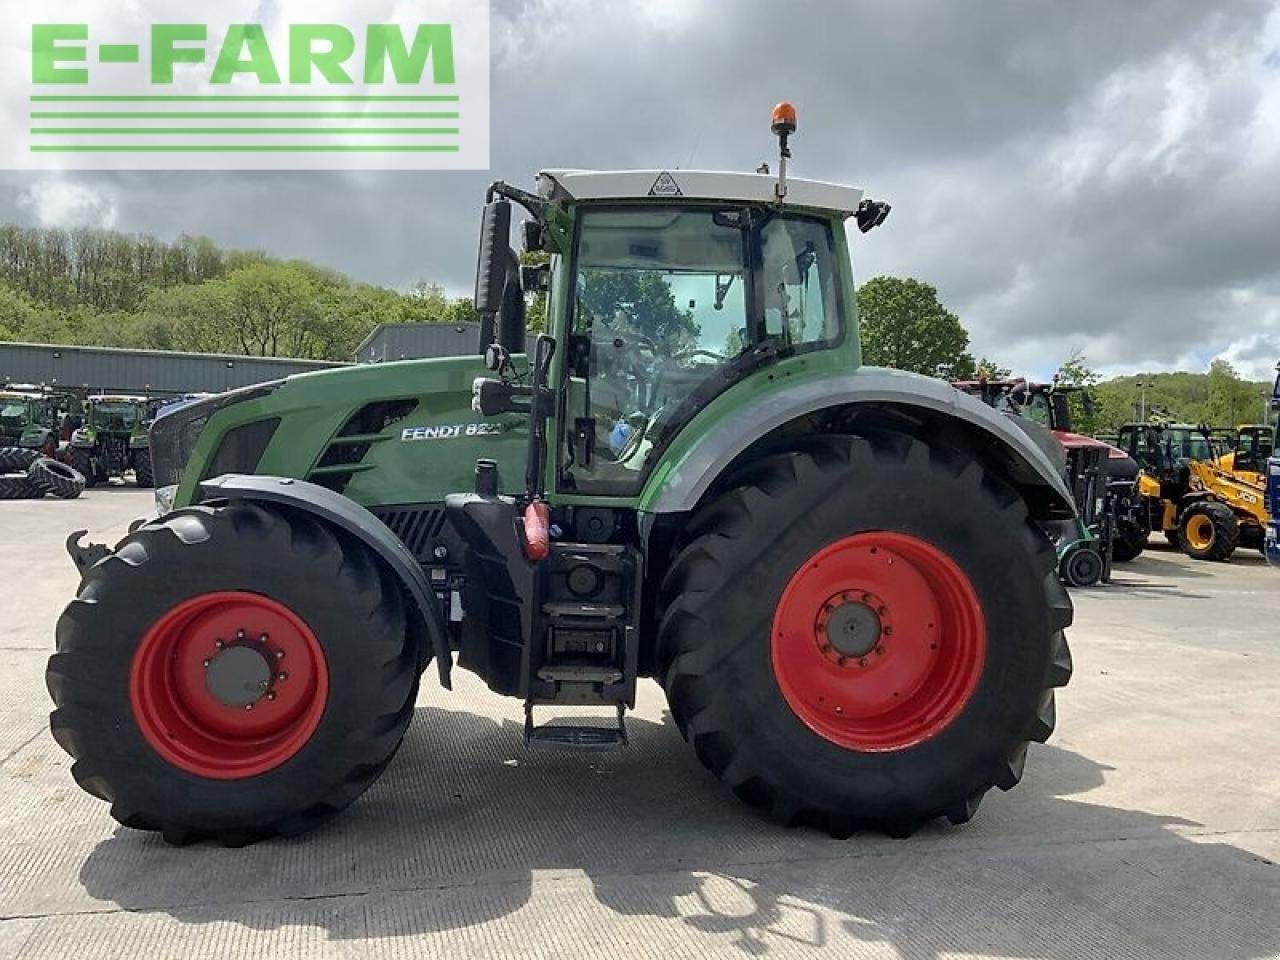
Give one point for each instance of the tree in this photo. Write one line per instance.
(906, 327)
(1076, 372)
(639, 302)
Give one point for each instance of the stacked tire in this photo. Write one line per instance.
(26, 475)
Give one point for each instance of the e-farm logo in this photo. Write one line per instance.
(247, 84)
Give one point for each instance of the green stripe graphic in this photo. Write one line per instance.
(247, 148)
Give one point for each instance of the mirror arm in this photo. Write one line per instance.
(533, 203)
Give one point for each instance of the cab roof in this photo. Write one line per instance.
(667, 185)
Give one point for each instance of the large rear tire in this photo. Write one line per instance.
(1129, 542)
(864, 634)
(232, 672)
(55, 478)
(142, 472)
(19, 488)
(17, 459)
(1208, 531)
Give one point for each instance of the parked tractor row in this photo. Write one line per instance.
(100, 436)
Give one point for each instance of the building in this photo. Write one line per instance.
(150, 372)
(417, 341)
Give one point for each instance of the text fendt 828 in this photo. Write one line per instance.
(837, 573)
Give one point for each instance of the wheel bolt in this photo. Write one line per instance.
(862, 662)
(248, 706)
(263, 638)
(888, 631)
(219, 643)
(207, 662)
(282, 675)
(842, 661)
(880, 651)
(240, 634)
(279, 654)
(271, 694)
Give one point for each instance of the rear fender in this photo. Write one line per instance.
(355, 520)
(1024, 453)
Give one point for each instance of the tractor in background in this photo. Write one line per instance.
(1103, 479)
(1203, 510)
(838, 575)
(110, 439)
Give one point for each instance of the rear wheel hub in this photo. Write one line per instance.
(878, 641)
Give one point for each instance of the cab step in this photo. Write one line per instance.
(566, 736)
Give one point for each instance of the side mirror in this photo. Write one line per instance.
(491, 267)
(535, 278)
(870, 214)
(534, 238)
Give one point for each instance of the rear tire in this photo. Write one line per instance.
(17, 459)
(1208, 531)
(142, 473)
(723, 652)
(57, 479)
(18, 488)
(176, 754)
(1129, 542)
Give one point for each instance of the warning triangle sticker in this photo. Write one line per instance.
(665, 186)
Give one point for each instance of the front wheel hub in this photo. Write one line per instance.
(239, 676)
(228, 685)
(878, 641)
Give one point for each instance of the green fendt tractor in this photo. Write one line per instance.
(110, 439)
(838, 574)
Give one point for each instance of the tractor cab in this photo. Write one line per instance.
(666, 289)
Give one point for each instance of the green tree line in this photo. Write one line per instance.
(101, 288)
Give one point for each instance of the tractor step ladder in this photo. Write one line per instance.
(564, 736)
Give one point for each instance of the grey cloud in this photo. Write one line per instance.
(1086, 174)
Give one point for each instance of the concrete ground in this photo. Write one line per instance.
(1150, 827)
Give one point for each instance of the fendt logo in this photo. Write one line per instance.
(124, 84)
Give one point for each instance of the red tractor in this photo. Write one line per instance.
(1102, 477)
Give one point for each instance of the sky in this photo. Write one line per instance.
(1088, 175)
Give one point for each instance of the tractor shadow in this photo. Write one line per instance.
(467, 828)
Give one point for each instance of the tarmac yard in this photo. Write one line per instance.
(1148, 827)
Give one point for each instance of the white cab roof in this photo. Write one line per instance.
(698, 185)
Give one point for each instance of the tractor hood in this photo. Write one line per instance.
(386, 433)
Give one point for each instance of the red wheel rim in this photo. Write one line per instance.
(188, 718)
(878, 642)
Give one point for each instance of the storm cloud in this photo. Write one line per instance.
(1087, 175)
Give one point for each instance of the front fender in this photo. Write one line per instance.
(681, 481)
(349, 516)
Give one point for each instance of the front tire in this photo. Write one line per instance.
(1208, 531)
(232, 672)
(82, 461)
(939, 561)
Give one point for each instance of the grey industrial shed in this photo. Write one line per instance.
(152, 372)
(417, 341)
